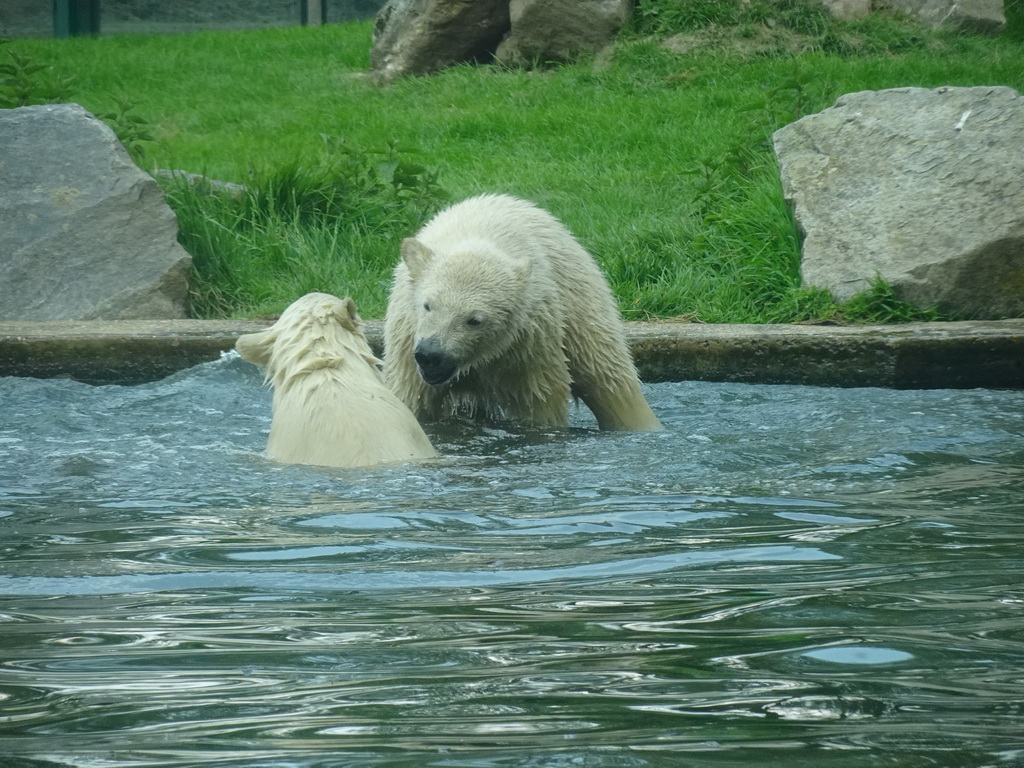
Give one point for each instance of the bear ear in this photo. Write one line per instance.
(256, 347)
(416, 255)
(523, 269)
(348, 315)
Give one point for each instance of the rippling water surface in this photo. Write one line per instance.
(787, 576)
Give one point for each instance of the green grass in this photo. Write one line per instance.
(329, 225)
(659, 162)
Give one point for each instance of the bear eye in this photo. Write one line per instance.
(426, 306)
(474, 321)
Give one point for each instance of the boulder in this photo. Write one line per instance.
(417, 37)
(924, 188)
(985, 16)
(84, 234)
(561, 30)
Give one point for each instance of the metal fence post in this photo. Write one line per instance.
(74, 18)
(312, 12)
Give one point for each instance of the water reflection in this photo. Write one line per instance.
(785, 576)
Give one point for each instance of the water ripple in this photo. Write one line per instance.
(284, 580)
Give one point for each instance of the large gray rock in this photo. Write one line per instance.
(986, 16)
(84, 234)
(417, 37)
(561, 30)
(924, 188)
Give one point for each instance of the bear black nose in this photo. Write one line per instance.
(436, 366)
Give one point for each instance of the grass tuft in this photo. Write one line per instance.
(880, 304)
(331, 225)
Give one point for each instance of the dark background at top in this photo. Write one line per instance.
(34, 18)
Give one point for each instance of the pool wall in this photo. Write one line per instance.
(908, 356)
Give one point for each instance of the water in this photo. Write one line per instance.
(787, 576)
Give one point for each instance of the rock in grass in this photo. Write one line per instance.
(84, 234)
(561, 30)
(418, 37)
(924, 188)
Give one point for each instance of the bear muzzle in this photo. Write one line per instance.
(435, 365)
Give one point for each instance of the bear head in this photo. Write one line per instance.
(315, 331)
(471, 304)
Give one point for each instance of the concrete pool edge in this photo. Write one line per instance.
(984, 353)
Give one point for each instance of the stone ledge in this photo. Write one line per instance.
(910, 356)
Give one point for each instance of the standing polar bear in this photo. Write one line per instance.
(498, 313)
(331, 405)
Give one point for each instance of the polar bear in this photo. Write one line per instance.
(496, 312)
(331, 405)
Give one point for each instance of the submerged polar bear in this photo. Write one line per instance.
(497, 312)
(331, 405)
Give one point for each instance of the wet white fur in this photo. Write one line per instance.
(525, 310)
(331, 405)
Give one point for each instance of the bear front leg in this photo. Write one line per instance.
(604, 377)
(619, 406)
